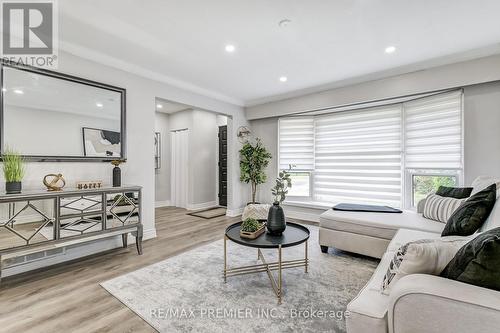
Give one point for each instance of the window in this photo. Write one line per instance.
(390, 155)
(433, 144)
(423, 185)
(358, 156)
(301, 185)
(296, 147)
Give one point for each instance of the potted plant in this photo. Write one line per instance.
(13, 170)
(254, 158)
(251, 228)
(276, 222)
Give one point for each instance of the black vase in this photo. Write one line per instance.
(276, 223)
(117, 177)
(13, 187)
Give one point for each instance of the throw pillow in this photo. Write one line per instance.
(470, 216)
(426, 256)
(454, 192)
(478, 261)
(439, 208)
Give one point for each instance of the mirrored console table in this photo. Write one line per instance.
(37, 221)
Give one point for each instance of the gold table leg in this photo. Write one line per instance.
(279, 274)
(225, 259)
(276, 284)
(307, 259)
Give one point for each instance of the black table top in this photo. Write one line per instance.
(294, 234)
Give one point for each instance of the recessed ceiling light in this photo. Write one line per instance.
(4, 89)
(230, 48)
(18, 91)
(159, 106)
(283, 79)
(390, 49)
(99, 105)
(284, 23)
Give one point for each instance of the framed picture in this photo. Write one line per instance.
(101, 143)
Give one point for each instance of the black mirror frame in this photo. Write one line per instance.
(75, 79)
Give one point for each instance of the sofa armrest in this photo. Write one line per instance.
(427, 303)
(421, 205)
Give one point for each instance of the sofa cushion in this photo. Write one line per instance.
(472, 214)
(423, 256)
(440, 208)
(404, 236)
(454, 192)
(482, 182)
(478, 262)
(369, 308)
(377, 224)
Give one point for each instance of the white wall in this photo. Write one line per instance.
(267, 130)
(162, 175)
(203, 139)
(482, 130)
(139, 169)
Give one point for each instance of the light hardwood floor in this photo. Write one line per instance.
(68, 297)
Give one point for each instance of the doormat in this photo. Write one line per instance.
(210, 213)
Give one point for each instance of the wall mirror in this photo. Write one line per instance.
(49, 116)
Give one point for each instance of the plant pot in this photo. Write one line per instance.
(253, 203)
(13, 187)
(117, 176)
(276, 222)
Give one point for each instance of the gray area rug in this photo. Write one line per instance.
(187, 293)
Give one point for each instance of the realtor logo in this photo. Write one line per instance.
(29, 32)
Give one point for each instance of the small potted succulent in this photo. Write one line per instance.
(251, 228)
(13, 170)
(276, 222)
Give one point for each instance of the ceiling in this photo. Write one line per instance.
(326, 43)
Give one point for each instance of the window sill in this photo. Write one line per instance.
(308, 204)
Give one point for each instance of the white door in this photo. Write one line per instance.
(179, 168)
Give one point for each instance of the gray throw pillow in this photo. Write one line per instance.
(470, 216)
(478, 261)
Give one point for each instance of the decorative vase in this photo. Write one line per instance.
(117, 176)
(276, 223)
(13, 187)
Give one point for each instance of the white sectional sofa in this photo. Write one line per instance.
(417, 303)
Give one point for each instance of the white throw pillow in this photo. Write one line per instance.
(440, 208)
(426, 256)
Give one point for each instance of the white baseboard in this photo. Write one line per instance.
(203, 205)
(159, 204)
(234, 212)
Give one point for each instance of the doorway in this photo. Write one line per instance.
(222, 165)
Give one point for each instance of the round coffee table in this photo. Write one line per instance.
(294, 234)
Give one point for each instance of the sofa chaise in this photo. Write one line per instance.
(418, 302)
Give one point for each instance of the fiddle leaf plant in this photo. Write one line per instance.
(254, 158)
(283, 183)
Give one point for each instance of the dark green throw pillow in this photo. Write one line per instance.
(477, 262)
(470, 216)
(454, 192)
